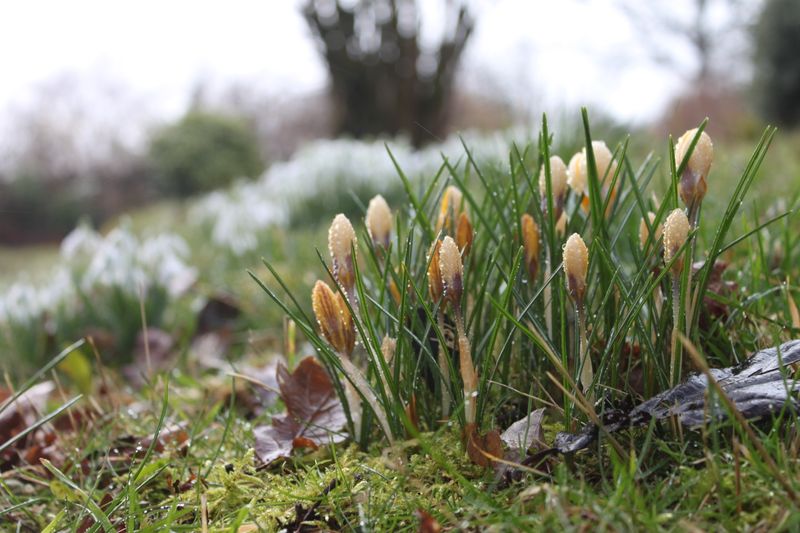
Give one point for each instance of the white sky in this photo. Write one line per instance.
(562, 52)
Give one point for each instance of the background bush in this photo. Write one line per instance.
(777, 65)
(204, 151)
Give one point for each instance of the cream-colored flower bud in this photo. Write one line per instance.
(693, 184)
(561, 225)
(388, 348)
(341, 239)
(333, 318)
(576, 266)
(603, 158)
(558, 179)
(530, 245)
(435, 287)
(576, 174)
(449, 210)
(644, 230)
(452, 270)
(676, 231)
(379, 221)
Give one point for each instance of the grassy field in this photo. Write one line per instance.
(168, 443)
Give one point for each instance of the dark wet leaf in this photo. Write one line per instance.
(219, 314)
(314, 414)
(523, 433)
(760, 387)
(307, 519)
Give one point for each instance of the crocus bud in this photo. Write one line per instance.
(576, 174)
(576, 266)
(452, 271)
(464, 234)
(693, 180)
(530, 245)
(341, 241)
(435, 287)
(388, 348)
(561, 225)
(644, 230)
(558, 184)
(333, 318)
(676, 231)
(379, 221)
(603, 158)
(449, 210)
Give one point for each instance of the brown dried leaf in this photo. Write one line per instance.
(314, 415)
(427, 523)
(482, 448)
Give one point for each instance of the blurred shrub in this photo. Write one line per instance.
(777, 62)
(204, 151)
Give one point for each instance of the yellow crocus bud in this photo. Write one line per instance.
(379, 221)
(576, 266)
(341, 242)
(452, 271)
(333, 318)
(449, 210)
(676, 231)
(561, 225)
(530, 245)
(464, 234)
(644, 231)
(435, 287)
(388, 348)
(693, 184)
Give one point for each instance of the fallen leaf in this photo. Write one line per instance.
(482, 448)
(314, 414)
(761, 386)
(427, 523)
(523, 433)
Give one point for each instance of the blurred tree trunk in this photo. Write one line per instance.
(383, 81)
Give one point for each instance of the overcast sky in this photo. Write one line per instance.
(564, 53)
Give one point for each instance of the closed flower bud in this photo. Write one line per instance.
(676, 231)
(576, 174)
(561, 225)
(435, 287)
(530, 245)
(388, 348)
(644, 230)
(576, 266)
(558, 184)
(464, 234)
(449, 210)
(333, 318)
(341, 241)
(452, 271)
(693, 184)
(379, 221)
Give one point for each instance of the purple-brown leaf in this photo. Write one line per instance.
(314, 415)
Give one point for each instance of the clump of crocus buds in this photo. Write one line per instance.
(450, 210)
(379, 221)
(341, 243)
(530, 245)
(692, 186)
(558, 186)
(676, 231)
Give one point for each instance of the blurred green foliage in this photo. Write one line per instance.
(203, 151)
